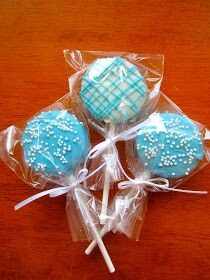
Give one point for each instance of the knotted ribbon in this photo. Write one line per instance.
(161, 184)
(81, 177)
(111, 141)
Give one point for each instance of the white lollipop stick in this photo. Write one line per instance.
(107, 227)
(103, 231)
(107, 179)
(83, 205)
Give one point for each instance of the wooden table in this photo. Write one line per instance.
(35, 242)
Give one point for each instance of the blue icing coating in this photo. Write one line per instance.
(54, 142)
(170, 145)
(113, 90)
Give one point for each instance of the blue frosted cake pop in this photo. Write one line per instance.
(54, 142)
(170, 145)
(113, 90)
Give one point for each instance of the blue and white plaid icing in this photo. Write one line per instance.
(54, 142)
(113, 90)
(170, 145)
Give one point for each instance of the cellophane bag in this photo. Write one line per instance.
(168, 149)
(83, 212)
(116, 90)
(47, 152)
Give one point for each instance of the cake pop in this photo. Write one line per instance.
(54, 143)
(170, 145)
(112, 91)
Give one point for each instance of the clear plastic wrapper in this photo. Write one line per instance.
(167, 150)
(77, 201)
(47, 152)
(116, 91)
(130, 207)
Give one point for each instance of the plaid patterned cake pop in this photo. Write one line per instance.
(54, 142)
(113, 90)
(170, 145)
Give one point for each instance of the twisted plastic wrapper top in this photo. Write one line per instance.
(47, 163)
(116, 90)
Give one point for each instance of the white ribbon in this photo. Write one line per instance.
(122, 136)
(81, 177)
(155, 184)
(111, 140)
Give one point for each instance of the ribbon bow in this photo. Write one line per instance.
(123, 136)
(81, 177)
(111, 141)
(156, 184)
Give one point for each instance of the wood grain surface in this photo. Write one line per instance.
(35, 243)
